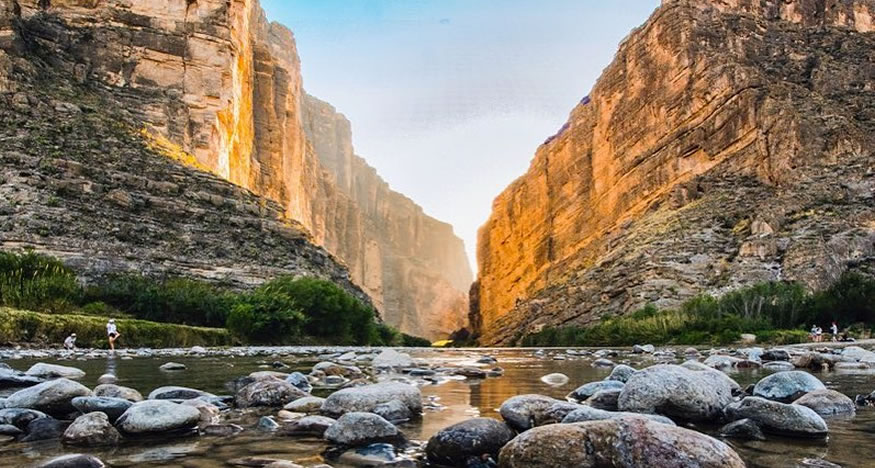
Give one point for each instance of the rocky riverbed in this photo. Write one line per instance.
(351, 407)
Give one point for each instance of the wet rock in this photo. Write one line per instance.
(775, 355)
(107, 379)
(742, 429)
(197, 350)
(392, 359)
(177, 393)
(621, 373)
(308, 404)
(555, 413)
(10, 430)
(779, 418)
(587, 390)
(676, 392)
(330, 368)
(586, 413)
(715, 373)
(53, 397)
(267, 424)
(267, 375)
(300, 381)
(271, 392)
(827, 403)
(172, 366)
(354, 429)
(470, 372)
(393, 411)
(73, 461)
(717, 361)
(54, 371)
(20, 417)
(308, 425)
(90, 430)
(334, 380)
(221, 430)
(643, 349)
(859, 354)
(44, 429)
(372, 455)
(367, 397)
(555, 380)
(14, 379)
(288, 415)
(209, 412)
(787, 386)
(157, 416)
(779, 366)
(523, 412)
(852, 366)
(112, 407)
(117, 391)
(605, 399)
(454, 445)
(619, 442)
(601, 362)
(487, 360)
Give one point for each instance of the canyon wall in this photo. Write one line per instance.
(729, 142)
(221, 85)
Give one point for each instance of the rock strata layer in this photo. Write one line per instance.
(728, 143)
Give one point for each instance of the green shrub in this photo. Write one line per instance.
(266, 316)
(32, 281)
(410, 341)
(850, 300)
(388, 336)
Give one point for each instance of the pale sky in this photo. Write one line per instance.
(449, 99)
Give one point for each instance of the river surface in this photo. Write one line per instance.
(851, 442)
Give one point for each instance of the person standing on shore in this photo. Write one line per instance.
(834, 329)
(112, 333)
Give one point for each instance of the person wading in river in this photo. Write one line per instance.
(112, 333)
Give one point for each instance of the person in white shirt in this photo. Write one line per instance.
(112, 333)
(835, 331)
(70, 342)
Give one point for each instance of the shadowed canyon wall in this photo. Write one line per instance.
(214, 79)
(729, 142)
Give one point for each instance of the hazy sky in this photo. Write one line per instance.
(449, 99)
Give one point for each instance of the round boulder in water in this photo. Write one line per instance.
(268, 392)
(474, 438)
(158, 416)
(73, 461)
(524, 412)
(555, 379)
(54, 397)
(828, 403)
(112, 407)
(587, 390)
(787, 386)
(355, 429)
(90, 430)
(676, 392)
(367, 397)
(779, 418)
(117, 391)
(621, 373)
(54, 371)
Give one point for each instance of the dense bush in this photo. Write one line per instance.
(850, 300)
(266, 316)
(32, 281)
(410, 341)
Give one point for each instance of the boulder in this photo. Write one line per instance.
(779, 418)
(54, 371)
(172, 366)
(621, 373)
(20, 417)
(390, 358)
(308, 404)
(356, 429)
(787, 386)
(474, 438)
(14, 379)
(859, 354)
(775, 355)
(717, 361)
(44, 429)
(555, 380)
(117, 391)
(605, 399)
(524, 412)
(587, 390)
(269, 392)
(91, 429)
(779, 366)
(177, 393)
(209, 412)
(75, 460)
(715, 373)
(643, 349)
(221, 430)
(300, 381)
(367, 397)
(586, 413)
(112, 407)
(601, 362)
(54, 397)
(676, 392)
(308, 425)
(394, 411)
(107, 379)
(828, 403)
(10, 430)
(622, 442)
(156, 417)
(742, 429)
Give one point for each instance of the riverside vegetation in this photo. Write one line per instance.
(45, 302)
(776, 312)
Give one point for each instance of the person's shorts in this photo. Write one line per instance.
(113, 335)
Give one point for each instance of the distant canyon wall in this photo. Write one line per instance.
(219, 81)
(729, 142)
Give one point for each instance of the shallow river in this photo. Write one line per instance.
(851, 442)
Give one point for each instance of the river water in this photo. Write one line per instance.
(851, 443)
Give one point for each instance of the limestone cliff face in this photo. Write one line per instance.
(729, 142)
(412, 265)
(218, 81)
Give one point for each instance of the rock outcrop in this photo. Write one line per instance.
(729, 142)
(218, 87)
